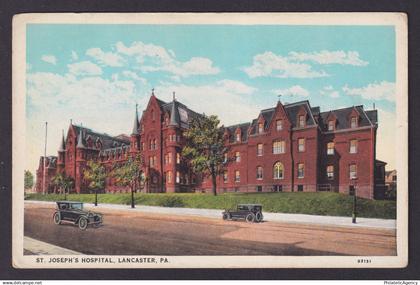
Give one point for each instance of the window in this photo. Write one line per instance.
(353, 146)
(152, 161)
(278, 170)
(300, 188)
(225, 177)
(331, 125)
(237, 156)
(153, 115)
(178, 178)
(151, 144)
(260, 149)
(279, 125)
(330, 148)
(301, 170)
(259, 173)
(238, 137)
(302, 120)
(353, 122)
(353, 171)
(178, 158)
(169, 176)
(278, 147)
(301, 145)
(237, 176)
(154, 144)
(225, 158)
(260, 128)
(142, 146)
(259, 188)
(330, 172)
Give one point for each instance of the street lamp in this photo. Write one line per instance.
(354, 213)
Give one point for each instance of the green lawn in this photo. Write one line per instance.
(324, 203)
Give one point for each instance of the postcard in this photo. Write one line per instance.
(210, 140)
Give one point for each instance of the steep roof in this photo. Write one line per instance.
(291, 111)
(244, 130)
(180, 115)
(343, 118)
(106, 140)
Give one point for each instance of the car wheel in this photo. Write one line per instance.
(83, 223)
(250, 218)
(258, 217)
(226, 216)
(57, 218)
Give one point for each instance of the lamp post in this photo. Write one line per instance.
(354, 212)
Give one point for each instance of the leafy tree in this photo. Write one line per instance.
(29, 179)
(63, 183)
(129, 174)
(205, 148)
(58, 181)
(95, 174)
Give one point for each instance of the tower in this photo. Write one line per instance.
(61, 155)
(135, 135)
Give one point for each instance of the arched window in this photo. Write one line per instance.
(278, 170)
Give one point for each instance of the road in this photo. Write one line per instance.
(137, 233)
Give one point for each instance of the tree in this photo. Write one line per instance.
(205, 148)
(95, 174)
(29, 179)
(63, 183)
(129, 174)
(58, 181)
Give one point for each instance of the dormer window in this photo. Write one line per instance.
(302, 121)
(260, 128)
(353, 122)
(238, 137)
(331, 125)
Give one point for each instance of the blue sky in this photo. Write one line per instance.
(95, 74)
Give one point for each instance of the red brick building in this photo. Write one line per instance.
(291, 147)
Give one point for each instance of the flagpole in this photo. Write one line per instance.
(45, 160)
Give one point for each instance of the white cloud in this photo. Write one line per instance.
(133, 75)
(105, 58)
(98, 103)
(374, 91)
(220, 98)
(84, 68)
(329, 91)
(295, 90)
(74, 55)
(272, 65)
(49, 59)
(156, 58)
(329, 57)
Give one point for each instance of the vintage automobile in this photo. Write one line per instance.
(250, 212)
(68, 211)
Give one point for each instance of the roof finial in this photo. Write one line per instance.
(374, 106)
(153, 91)
(71, 121)
(279, 97)
(173, 95)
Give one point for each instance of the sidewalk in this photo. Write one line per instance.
(268, 217)
(38, 247)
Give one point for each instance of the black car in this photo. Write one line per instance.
(250, 212)
(73, 212)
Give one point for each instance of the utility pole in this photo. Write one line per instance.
(44, 182)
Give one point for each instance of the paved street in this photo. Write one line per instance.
(128, 232)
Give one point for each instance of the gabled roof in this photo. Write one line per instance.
(291, 112)
(107, 140)
(244, 131)
(179, 114)
(50, 161)
(343, 119)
